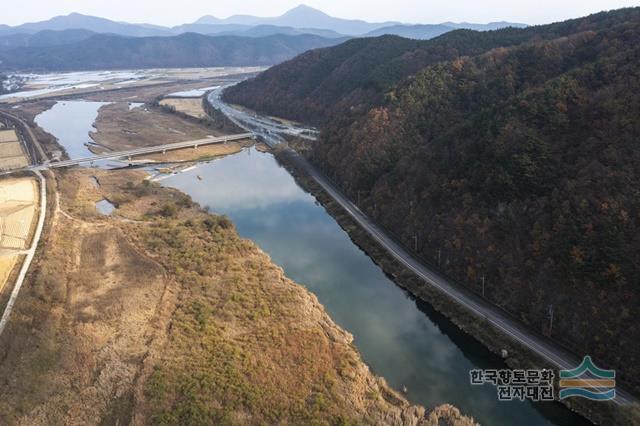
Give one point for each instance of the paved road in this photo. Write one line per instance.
(266, 127)
(134, 152)
(30, 253)
(545, 348)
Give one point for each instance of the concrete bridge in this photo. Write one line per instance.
(134, 152)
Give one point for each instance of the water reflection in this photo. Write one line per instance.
(402, 340)
(71, 122)
(105, 207)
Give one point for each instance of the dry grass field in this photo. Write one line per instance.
(169, 317)
(8, 136)
(18, 201)
(203, 153)
(119, 128)
(7, 263)
(12, 155)
(189, 106)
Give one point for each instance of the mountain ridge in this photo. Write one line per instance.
(509, 158)
(105, 51)
(301, 17)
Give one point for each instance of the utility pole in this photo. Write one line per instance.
(439, 253)
(550, 318)
(415, 243)
(482, 285)
(358, 197)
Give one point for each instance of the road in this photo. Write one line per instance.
(268, 128)
(133, 152)
(545, 348)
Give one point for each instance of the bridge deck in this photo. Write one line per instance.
(136, 152)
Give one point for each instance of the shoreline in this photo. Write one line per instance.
(476, 327)
(135, 233)
(395, 404)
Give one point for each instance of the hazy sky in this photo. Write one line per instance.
(172, 12)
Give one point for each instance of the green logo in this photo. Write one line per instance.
(588, 381)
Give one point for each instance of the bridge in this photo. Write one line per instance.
(116, 155)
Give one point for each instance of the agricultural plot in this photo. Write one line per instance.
(17, 213)
(17, 209)
(8, 136)
(12, 154)
(6, 266)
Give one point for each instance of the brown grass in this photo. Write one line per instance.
(170, 317)
(189, 106)
(12, 155)
(8, 136)
(202, 153)
(119, 128)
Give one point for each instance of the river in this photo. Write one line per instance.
(71, 122)
(401, 339)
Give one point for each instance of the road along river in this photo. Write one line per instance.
(401, 339)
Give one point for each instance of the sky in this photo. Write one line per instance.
(171, 12)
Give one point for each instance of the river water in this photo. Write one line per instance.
(71, 122)
(401, 339)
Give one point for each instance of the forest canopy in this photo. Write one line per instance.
(512, 155)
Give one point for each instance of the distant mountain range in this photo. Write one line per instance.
(76, 21)
(300, 20)
(303, 17)
(78, 41)
(108, 51)
(44, 38)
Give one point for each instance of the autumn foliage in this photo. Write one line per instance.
(512, 156)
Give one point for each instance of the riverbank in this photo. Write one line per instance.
(477, 327)
(161, 312)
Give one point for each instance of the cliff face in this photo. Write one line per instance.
(163, 314)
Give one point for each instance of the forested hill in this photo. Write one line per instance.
(351, 77)
(519, 166)
(105, 51)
